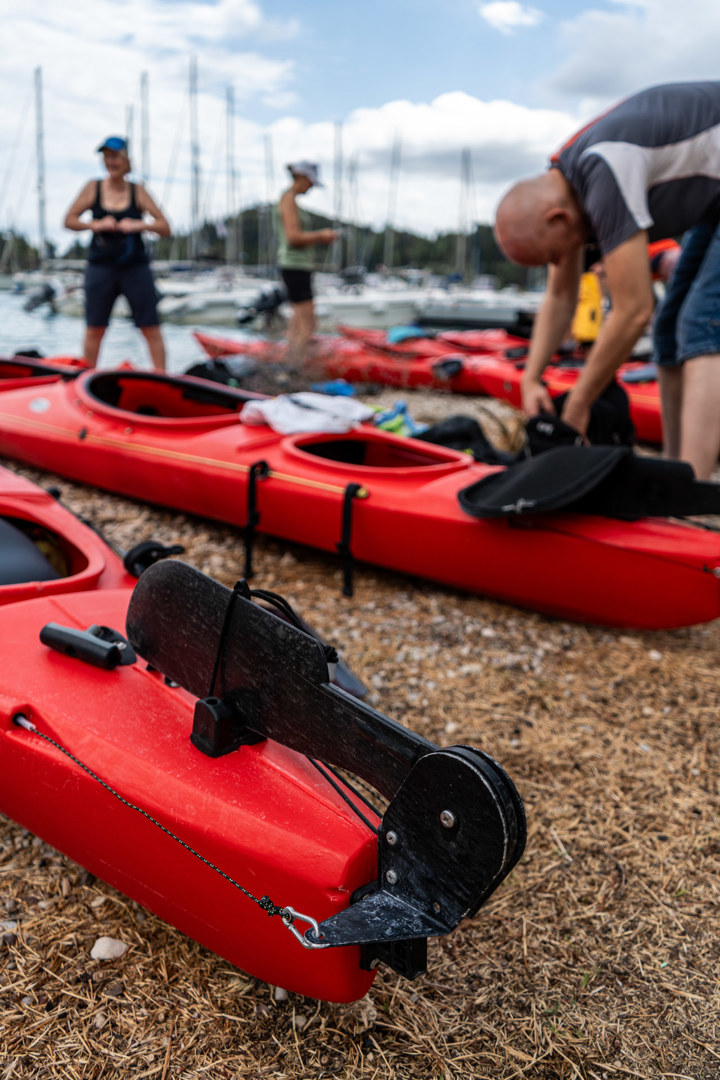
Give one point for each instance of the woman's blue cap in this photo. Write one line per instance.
(113, 142)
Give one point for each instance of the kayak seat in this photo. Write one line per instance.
(20, 559)
(610, 481)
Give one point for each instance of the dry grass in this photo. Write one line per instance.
(598, 957)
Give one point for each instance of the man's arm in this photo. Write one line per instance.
(551, 326)
(628, 276)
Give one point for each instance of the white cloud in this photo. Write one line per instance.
(508, 15)
(638, 44)
(505, 141)
(92, 55)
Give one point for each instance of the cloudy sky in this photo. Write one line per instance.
(425, 84)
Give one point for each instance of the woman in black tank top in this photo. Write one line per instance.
(118, 263)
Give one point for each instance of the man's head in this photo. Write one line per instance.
(539, 220)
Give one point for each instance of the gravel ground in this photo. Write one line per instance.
(597, 958)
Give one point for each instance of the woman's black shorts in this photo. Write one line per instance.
(298, 284)
(104, 282)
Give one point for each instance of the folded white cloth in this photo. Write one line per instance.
(306, 411)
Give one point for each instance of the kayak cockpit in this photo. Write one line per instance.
(30, 552)
(376, 451)
(163, 397)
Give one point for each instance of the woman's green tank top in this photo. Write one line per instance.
(293, 258)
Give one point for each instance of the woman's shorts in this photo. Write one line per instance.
(298, 284)
(104, 282)
(687, 323)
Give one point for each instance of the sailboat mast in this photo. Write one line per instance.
(231, 241)
(461, 253)
(388, 253)
(195, 163)
(337, 243)
(40, 167)
(269, 187)
(351, 246)
(129, 118)
(144, 129)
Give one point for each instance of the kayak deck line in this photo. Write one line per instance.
(179, 444)
(160, 452)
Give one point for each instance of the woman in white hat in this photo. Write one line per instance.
(118, 262)
(296, 258)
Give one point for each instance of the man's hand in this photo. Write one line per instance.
(535, 398)
(576, 414)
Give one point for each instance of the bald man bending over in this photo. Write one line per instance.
(646, 170)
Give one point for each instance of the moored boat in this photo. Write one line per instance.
(373, 496)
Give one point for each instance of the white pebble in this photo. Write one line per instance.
(107, 948)
(280, 994)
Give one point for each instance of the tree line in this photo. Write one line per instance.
(250, 235)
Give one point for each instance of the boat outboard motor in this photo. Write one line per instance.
(266, 303)
(44, 295)
(353, 276)
(228, 370)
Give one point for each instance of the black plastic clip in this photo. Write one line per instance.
(343, 546)
(98, 645)
(217, 729)
(147, 552)
(259, 471)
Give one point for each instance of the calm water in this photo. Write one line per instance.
(61, 335)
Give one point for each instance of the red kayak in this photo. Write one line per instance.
(46, 550)
(493, 366)
(362, 358)
(198, 800)
(501, 377)
(25, 370)
(440, 344)
(373, 496)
